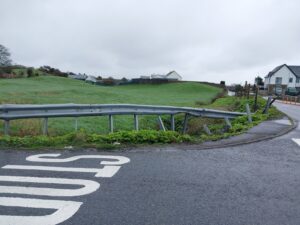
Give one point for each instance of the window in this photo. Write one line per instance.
(291, 80)
(297, 80)
(278, 80)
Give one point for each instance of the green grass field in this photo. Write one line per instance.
(50, 90)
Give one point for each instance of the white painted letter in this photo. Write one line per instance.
(40, 158)
(89, 186)
(106, 171)
(64, 210)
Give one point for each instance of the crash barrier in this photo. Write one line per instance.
(9, 112)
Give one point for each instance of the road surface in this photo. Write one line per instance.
(251, 184)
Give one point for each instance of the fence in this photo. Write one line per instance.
(291, 99)
(14, 112)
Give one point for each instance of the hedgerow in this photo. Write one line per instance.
(83, 138)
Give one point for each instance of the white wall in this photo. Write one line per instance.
(285, 74)
(267, 82)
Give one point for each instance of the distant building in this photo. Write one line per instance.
(78, 76)
(91, 79)
(283, 76)
(145, 77)
(173, 75)
(158, 76)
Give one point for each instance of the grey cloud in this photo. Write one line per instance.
(203, 40)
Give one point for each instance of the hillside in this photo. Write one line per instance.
(50, 90)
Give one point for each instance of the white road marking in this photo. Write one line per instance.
(89, 186)
(106, 171)
(296, 140)
(65, 210)
(40, 158)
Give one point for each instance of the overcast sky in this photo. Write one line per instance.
(203, 40)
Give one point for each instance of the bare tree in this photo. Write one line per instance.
(4, 56)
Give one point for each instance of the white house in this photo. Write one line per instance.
(91, 79)
(78, 76)
(284, 76)
(173, 75)
(158, 76)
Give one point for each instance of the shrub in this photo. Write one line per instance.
(30, 72)
(82, 138)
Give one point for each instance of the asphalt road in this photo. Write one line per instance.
(252, 184)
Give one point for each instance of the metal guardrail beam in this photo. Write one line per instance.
(13, 112)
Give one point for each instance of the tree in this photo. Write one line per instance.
(259, 80)
(222, 83)
(124, 79)
(30, 72)
(4, 56)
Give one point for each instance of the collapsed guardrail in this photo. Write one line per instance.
(9, 112)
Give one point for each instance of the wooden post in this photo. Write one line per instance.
(255, 100)
(45, 126)
(6, 127)
(76, 124)
(206, 129)
(228, 123)
(161, 124)
(266, 110)
(248, 91)
(185, 123)
(136, 122)
(248, 113)
(245, 89)
(111, 123)
(172, 122)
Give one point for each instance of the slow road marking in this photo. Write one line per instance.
(64, 209)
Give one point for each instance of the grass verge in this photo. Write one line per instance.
(119, 139)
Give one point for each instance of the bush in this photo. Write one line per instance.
(30, 72)
(82, 138)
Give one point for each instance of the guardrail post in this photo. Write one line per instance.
(136, 122)
(6, 127)
(248, 113)
(206, 129)
(161, 124)
(228, 123)
(111, 123)
(185, 123)
(172, 122)
(266, 110)
(45, 126)
(76, 124)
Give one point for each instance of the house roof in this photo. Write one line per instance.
(294, 69)
(168, 74)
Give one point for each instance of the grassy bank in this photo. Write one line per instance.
(93, 130)
(51, 90)
(195, 134)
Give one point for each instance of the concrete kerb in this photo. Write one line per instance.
(218, 145)
(250, 141)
